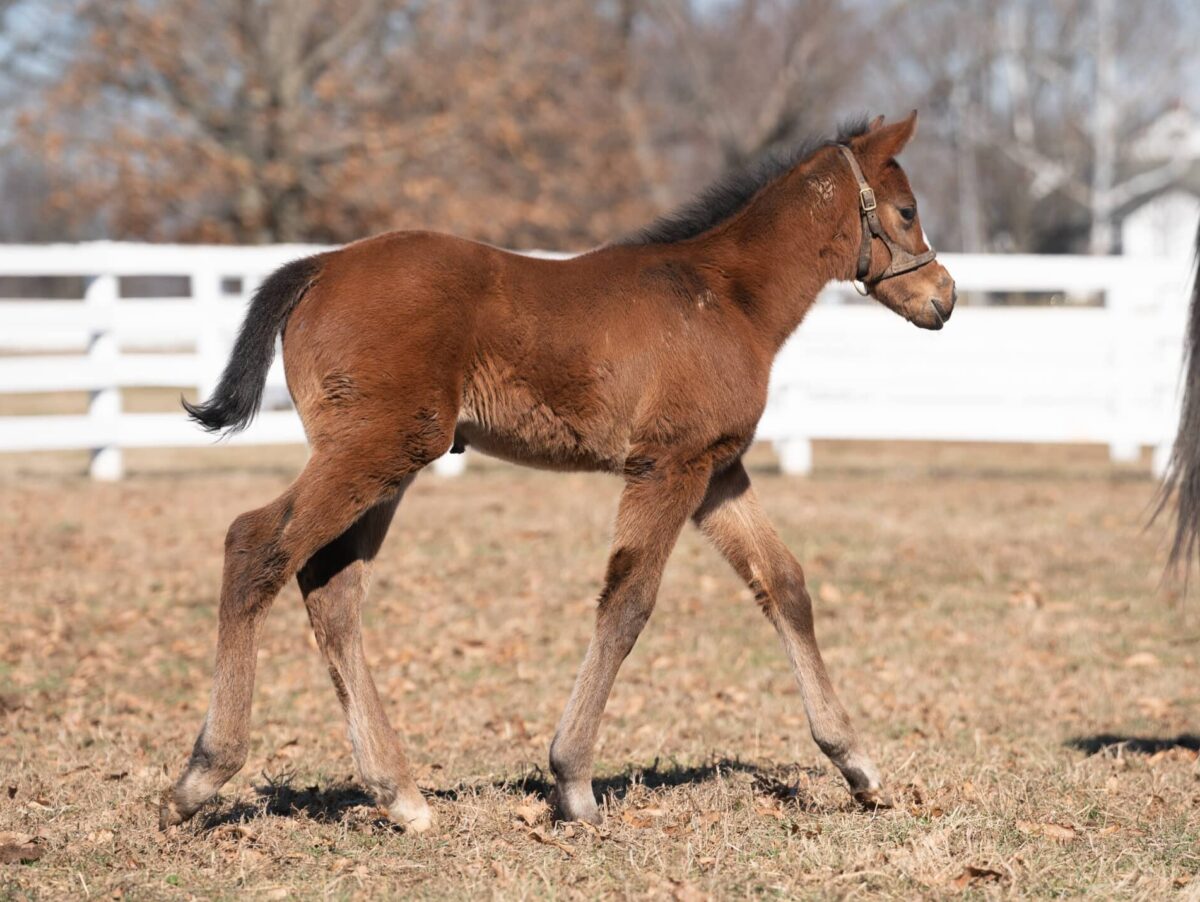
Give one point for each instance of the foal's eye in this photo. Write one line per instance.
(908, 214)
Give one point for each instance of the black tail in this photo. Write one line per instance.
(1182, 481)
(236, 400)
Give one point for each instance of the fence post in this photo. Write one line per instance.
(450, 465)
(793, 448)
(795, 456)
(104, 407)
(206, 295)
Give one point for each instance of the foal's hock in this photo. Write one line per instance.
(647, 358)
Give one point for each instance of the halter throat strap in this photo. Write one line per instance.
(901, 260)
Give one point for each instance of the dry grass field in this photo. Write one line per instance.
(991, 616)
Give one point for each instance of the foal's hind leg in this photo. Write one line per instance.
(732, 519)
(651, 514)
(334, 583)
(263, 549)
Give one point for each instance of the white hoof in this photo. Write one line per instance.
(414, 817)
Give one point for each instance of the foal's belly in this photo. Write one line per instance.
(505, 416)
(547, 449)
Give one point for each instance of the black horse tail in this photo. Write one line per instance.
(1182, 481)
(239, 393)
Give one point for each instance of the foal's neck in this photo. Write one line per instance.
(796, 236)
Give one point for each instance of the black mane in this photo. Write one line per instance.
(733, 191)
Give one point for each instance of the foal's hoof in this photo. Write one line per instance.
(873, 799)
(413, 815)
(577, 806)
(169, 812)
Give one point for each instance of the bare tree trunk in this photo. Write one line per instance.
(1104, 132)
(970, 213)
(640, 138)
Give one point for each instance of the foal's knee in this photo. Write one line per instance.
(568, 764)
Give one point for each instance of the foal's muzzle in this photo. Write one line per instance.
(934, 311)
(942, 313)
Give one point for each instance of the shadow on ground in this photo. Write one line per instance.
(657, 776)
(278, 795)
(1116, 744)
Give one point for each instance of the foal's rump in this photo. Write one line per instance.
(375, 324)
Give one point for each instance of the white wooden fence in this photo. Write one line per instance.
(1061, 373)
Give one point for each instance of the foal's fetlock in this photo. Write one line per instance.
(572, 799)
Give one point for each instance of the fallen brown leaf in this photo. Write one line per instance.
(21, 848)
(1050, 830)
(531, 812)
(769, 808)
(973, 876)
(642, 817)
(546, 840)
(1142, 659)
(232, 833)
(1028, 597)
(829, 593)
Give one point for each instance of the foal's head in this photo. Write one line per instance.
(895, 265)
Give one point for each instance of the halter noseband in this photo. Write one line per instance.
(901, 260)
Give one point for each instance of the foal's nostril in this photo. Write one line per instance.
(936, 320)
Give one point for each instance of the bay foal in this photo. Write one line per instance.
(648, 358)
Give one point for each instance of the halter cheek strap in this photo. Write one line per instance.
(901, 260)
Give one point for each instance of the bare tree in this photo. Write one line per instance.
(1042, 107)
(280, 120)
(759, 73)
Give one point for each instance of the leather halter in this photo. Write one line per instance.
(901, 260)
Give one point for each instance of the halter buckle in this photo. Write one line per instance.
(866, 198)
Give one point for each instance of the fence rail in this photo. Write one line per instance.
(1062, 373)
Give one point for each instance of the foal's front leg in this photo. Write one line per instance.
(731, 518)
(653, 509)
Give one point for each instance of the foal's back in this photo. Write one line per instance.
(572, 364)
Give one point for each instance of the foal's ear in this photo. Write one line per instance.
(885, 141)
(875, 123)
